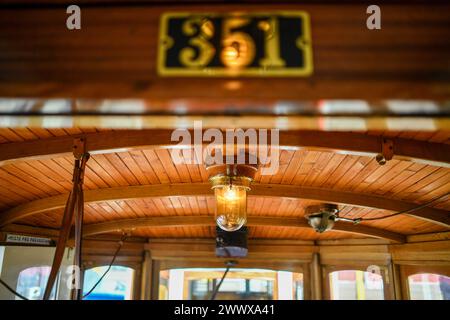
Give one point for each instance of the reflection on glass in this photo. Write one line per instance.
(356, 285)
(298, 286)
(428, 286)
(116, 285)
(32, 281)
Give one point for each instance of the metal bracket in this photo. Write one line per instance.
(127, 232)
(387, 151)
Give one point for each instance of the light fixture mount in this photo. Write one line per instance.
(322, 217)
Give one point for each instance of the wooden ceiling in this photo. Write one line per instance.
(181, 192)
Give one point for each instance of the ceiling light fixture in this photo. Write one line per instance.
(230, 183)
(322, 217)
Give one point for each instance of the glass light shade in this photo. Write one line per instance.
(231, 206)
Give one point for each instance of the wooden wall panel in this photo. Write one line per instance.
(115, 52)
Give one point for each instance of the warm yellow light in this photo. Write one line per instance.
(231, 206)
(230, 183)
(230, 56)
(230, 194)
(237, 54)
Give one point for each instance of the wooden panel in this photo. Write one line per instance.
(133, 140)
(289, 191)
(266, 221)
(440, 136)
(351, 254)
(115, 54)
(29, 134)
(258, 249)
(432, 251)
(97, 213)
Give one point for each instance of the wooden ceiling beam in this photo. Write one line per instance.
(201, 221)
(114, 141)
(437, 216)
(189, 221)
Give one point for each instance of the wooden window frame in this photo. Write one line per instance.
(408, 270)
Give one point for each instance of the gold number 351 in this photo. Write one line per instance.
(238, 47)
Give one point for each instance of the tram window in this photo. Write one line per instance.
(116, 285)
(32, 281)
(240, 284)
(26, 269)
(428, 286)
(298, 286)
(356, 285)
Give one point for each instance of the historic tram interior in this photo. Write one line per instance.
(178, 150)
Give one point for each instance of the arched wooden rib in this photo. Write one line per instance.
(189, 221)
(111, 141)
(433, 215)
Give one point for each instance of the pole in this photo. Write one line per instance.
(74, 207)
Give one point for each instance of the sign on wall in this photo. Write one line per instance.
(235, 44)
(16, 238)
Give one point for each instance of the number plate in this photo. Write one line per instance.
(235, 44)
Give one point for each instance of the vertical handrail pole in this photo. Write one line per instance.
(64, 234)
(74, 206)
(77, 293)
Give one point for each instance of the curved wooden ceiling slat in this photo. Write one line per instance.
(437, 216)
(18, 134)
(204, 206)
(125, 224)
(110, 141)
(259, 232)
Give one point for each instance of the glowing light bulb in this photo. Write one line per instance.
(230, 194)
(230, 183)
(231, 207)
